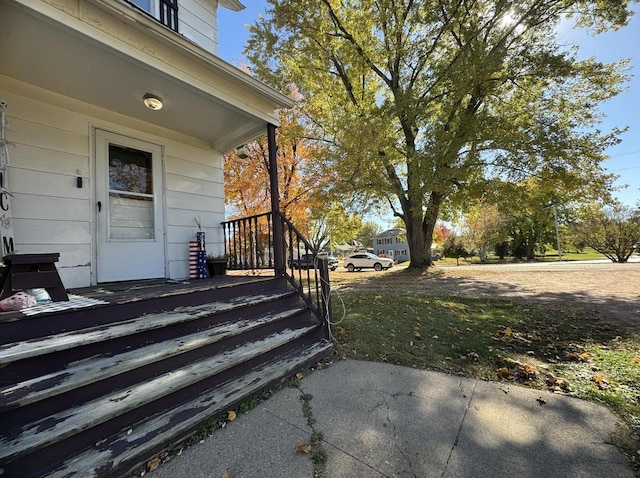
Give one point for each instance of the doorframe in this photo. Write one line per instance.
(162, 197)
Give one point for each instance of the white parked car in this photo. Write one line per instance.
(362, 260)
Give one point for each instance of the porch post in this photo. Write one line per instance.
(278, 233)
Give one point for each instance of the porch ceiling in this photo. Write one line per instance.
(45, 53)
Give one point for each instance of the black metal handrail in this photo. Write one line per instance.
(251, 242)
(248, 242)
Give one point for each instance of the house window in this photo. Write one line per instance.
(144, 4)
(169, 13)
(164, 10)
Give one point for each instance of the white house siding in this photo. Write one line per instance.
(194, 190)
(197, 21)
(52, 139)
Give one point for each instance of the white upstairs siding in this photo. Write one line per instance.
(52, 139)
(198, 21)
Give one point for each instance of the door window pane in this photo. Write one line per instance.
(130, 170)
(130, 217)
(130, 194)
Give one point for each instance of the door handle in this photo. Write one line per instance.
(99, 206)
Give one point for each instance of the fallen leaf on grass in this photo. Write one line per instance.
(556, 384)
(231, 415)
(473, 356)
(528, 370)
(503, 372)
(599, 381)
(508, 332)
(517, 371)
(522, 338)
(153, 464)
(340, 331)
(576, 357)
(636, 360)
(303, 448)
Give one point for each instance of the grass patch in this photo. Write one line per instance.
(564, 350)
(550, 256)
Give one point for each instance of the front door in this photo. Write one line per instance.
(130, 227)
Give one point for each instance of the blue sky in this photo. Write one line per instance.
(624, 110)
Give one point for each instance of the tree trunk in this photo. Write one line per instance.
(420, 232)
(531, 252)
(416, 240)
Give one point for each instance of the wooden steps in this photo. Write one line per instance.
(55, 343)
(99, 368)
(149, 436)
(99, 400)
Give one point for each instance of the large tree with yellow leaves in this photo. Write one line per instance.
(422, 101)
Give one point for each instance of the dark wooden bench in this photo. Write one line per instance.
(32, 271)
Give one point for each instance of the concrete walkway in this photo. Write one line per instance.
(380, 420)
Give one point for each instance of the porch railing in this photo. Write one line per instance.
(252, 243)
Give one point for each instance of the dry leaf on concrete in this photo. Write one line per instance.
(153, 464)
(303, 448)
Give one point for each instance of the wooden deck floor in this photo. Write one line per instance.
(134, 291)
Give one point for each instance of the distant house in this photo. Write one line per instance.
(392, 243)
(344, 249)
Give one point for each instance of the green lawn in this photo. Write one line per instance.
(563, 350)
(551, 256)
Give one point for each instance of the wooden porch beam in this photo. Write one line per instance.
(278, 232)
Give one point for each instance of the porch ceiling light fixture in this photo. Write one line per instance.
(152, 102)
